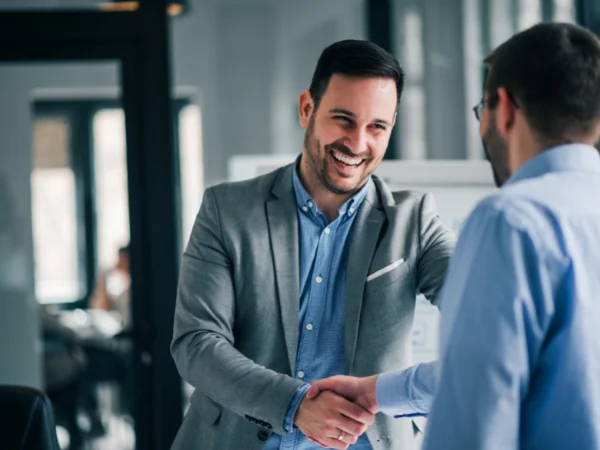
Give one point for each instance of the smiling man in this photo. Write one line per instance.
(308, 272)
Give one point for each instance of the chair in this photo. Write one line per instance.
(26, 420)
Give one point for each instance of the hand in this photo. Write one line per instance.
(358, 390)
(323, 420)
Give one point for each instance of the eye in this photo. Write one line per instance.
(342, 118)
(380, 126)
(344, 121)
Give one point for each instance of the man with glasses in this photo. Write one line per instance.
(520, 347)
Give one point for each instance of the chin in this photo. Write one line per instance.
(342, 187)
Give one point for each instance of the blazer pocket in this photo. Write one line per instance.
(385, 270)
(208, 410)
(385, 276)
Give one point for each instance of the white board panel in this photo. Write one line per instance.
(457, 187)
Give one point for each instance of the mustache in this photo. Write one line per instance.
(340, 147)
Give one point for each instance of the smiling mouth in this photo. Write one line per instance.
(346, 160)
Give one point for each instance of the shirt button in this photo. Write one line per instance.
(300, 374)
(305, 209)
(310, 204)
(262, 435)
(309, 327)
(351, 211)
(327, 230)
(318, 279)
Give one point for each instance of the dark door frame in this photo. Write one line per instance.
(139, 41)
(381, 22)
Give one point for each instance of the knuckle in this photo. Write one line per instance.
(354, 429)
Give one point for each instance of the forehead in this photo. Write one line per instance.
(366, 97)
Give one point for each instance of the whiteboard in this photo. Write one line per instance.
(457, 186)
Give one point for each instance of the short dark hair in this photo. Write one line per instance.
(552, 72)
(354, 58)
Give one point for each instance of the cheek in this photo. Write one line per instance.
(331, 134)
(378, 146)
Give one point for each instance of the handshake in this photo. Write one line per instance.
(337, 410)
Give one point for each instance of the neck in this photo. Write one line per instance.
(525, 148)
(327, 202)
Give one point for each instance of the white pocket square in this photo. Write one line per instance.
(385, 270)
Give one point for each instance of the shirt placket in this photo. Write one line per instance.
(320, 280)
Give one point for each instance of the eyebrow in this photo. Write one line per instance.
(352, 115)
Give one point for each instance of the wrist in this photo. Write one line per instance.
(371, 393)
(297, 403)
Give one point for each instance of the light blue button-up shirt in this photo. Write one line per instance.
(324, 250)
(520, 327)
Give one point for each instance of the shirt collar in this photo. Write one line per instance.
(306, 203)
(579, 157)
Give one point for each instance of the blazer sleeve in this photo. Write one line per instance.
(203, 337)
(436, 244)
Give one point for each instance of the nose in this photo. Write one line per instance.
(358, 140)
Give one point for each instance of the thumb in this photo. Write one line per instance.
(313, 392)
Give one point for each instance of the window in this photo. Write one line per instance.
(564, 11)
(110, 175)
(412, 106)
(530, 13)
(80, 194)
(57, 259)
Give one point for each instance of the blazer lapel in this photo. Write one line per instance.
(365, 235)
(283, 232)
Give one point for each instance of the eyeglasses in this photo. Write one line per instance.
(492, 102)
(478, 109)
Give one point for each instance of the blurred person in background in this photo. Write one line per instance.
(112, 291)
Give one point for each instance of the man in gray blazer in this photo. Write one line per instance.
(308, 272)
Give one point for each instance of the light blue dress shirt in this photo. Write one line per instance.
(323, 264)
(520, 327)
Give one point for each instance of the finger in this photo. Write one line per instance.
(313, 392)
(328, 384)
(348, 438)
(314, 441)
(355, 412)
(350, 427)
(334, 443)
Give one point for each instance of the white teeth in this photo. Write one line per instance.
(343, 158)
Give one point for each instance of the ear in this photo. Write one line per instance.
(506, 111)
(306, 107)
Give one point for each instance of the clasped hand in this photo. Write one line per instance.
(336, 411)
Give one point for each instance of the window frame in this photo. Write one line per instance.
(79, 114)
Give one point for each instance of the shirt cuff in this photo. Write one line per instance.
(288, 423)
(409, 392)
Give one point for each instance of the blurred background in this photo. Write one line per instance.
(69, 253)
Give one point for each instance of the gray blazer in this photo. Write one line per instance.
(237, 315)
